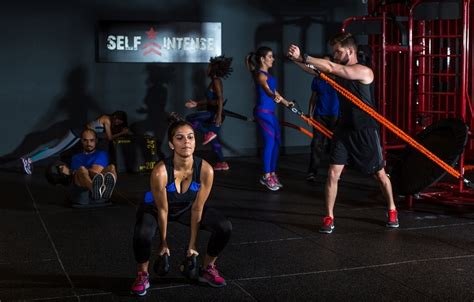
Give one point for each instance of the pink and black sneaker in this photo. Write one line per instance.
(141, 284)
(210, 275)
(277, 181)
(269, 182)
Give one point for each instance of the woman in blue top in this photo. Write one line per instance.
(209, 122)
(259, 63)
(180, 187)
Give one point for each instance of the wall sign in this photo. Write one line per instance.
(146, 42)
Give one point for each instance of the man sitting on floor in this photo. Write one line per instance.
(91, 169)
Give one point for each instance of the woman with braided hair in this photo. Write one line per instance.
(210, 121)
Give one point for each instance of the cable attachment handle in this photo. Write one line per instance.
(296, 109)
(468, 183)
(317, 71)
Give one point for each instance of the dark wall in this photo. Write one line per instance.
(50, 80)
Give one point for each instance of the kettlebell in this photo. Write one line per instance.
(189, 267)
(162, 265)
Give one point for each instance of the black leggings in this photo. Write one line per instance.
(147, 224)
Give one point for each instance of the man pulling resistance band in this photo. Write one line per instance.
(356, 140)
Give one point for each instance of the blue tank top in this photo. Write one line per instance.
(328, 101)
(263, 100)
(211, 98)
(96, 126)
(179, 203)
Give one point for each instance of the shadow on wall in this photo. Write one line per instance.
(77, 103)
(199, 78)
(155, 121)
(72, 108)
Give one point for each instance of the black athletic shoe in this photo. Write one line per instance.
(109, 185)
(97, 183)
(311, 177)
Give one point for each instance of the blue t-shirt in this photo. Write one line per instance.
(328, 101)
(98, 157)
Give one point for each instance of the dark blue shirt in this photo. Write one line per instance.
(98, 157)
(328, 101)
(211, 98)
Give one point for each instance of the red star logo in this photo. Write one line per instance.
(151, 33)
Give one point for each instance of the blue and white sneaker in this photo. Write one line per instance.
(27, 165)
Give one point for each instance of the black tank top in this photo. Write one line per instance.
(179, 203)
(351, 116)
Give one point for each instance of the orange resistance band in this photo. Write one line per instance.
(389, 125)
(305, 131)
(326, 132)
(311, 121)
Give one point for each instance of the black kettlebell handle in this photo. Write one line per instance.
(162, 265)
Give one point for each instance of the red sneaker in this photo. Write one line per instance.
(209, 137)
(328, 225)
(221, 166)
(392, 219)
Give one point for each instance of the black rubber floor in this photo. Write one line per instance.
(51, 252)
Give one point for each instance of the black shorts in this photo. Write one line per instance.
(359, 149)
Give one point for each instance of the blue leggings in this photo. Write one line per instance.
(270, 130)
(68, 141)
(203, 121)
